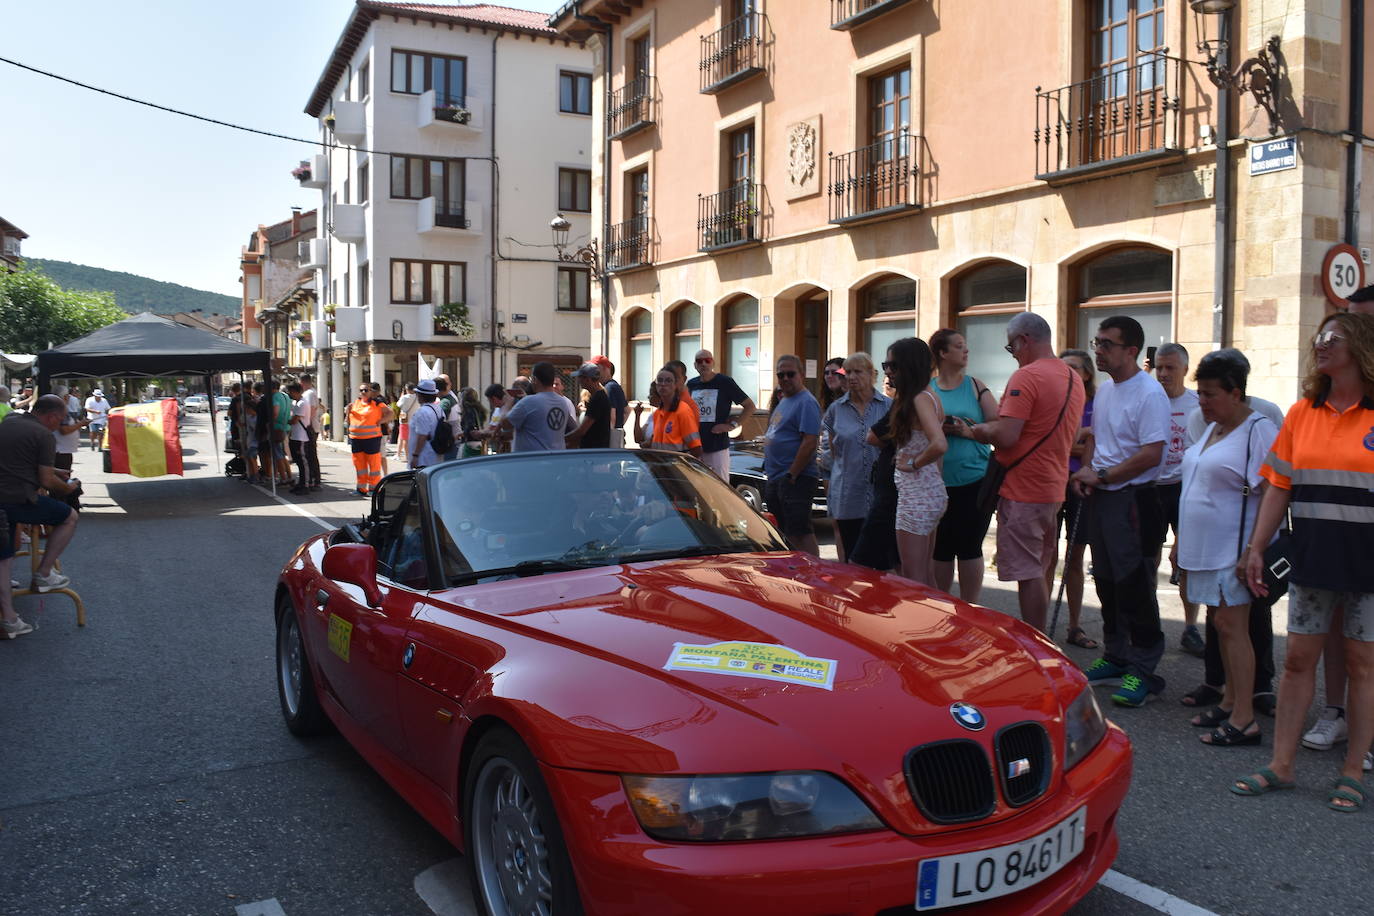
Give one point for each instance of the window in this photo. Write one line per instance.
(889, 314)
(574, 92)
(364, 79)
(415, 178)
(639, 56)
(985, 299)
(889, 109)
(639, 327)
(637, 193)
(686, 331)
(363, 278)
(413, 73)
(574, 289)
(575, 190)
(362, 183)
(1137, 282)
(741, 171)
(1125, 34)
(434, 282)
(742, 346)
(402, 557)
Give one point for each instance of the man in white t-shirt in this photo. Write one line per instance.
(98, 414)
(314, 425)
(1171, 369)
(425, 415)
(299, 436)
(405, 406)
(1130, 431)
(68, 436)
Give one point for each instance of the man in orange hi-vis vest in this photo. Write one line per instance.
(365, 418)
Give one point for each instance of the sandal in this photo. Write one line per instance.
(1251, 785)
(1227, 735)
(1211, 718)
(1080, 638)
(1348, 790)
(1201, 695)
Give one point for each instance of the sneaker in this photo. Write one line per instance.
(1328, 731)
(14, 630)
(1104, 672)
(1133, 692)
(53, 580)
(1191, 642)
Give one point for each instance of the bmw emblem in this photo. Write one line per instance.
(968, 716)
(409, 655)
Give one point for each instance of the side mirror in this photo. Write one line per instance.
(355, 564)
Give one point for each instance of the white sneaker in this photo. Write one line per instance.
(53, 580)
(1330, 729)
(14, 630)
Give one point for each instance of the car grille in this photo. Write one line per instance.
(951, 781)
(1023, 762)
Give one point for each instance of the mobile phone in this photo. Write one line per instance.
(1150, 354)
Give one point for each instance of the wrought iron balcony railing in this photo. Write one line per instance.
(729, 218)
(875, 181)
(1128, 114)
(732, 54)
(850, 14)
(629, 244)
(632, 107)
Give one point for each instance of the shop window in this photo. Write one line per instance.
(686, 330)
(741, 360)
(985, 299)
(888, 310)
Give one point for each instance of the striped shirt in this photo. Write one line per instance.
(1326, 458)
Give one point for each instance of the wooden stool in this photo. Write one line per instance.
(35, 559)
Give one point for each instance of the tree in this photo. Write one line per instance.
(35, 312)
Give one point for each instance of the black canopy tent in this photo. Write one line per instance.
(150, 346)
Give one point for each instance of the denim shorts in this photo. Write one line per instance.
(46, 511)
(1217, 588)
(790, 503)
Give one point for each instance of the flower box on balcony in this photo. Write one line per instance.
(453, 115)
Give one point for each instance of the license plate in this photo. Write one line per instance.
(972, 876)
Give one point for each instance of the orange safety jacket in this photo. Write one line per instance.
(364, 420)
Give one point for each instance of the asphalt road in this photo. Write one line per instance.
(144, 768)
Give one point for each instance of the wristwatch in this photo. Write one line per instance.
(1101, 475)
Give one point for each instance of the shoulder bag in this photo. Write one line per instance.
(1276, 565)
(996, 473)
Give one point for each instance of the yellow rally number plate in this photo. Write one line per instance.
(340, 636)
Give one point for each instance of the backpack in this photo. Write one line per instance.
(442, 440)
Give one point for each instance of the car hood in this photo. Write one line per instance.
(902, 655)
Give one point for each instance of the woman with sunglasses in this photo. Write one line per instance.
(834, 378)
(1321, 470)
(916, 430)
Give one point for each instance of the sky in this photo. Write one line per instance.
(96, 180)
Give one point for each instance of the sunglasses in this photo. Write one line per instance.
(786, 373)
(1326, 338)
(833, 372)
(889, 366)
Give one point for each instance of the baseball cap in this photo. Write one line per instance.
(588, 370)
(602, 360)
(426, 386)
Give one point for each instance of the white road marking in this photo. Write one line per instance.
(1152, 897)
(444, 889)
(296, 508)
(268, 907)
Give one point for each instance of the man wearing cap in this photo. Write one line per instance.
(98, 413)
(620, 404)
(715, 394)
(425, 416)
(595, 429)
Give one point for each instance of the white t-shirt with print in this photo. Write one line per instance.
(300, 419)
(1125, 417)
(1180, 408)
(1209, 535)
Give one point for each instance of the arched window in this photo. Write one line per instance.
(742, 346)
(888, 310)
(639, 346)
(1138, 282)
(985, 298)
(686, 330)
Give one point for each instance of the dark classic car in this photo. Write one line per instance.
(748, 479)
(605, 678)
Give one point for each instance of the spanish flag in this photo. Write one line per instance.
(143, 439)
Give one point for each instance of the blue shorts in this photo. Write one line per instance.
(46, 511)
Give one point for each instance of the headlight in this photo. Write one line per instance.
(1083, 728)
(754, 806)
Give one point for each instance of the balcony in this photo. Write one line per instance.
(434, 217)
(313, 172)
(11, 246)
(850, 14)
(629, 244)
(350, 123)
(265, 312)
(632, 107)
(349, 224)
(312, 253)
(350, 324)
(875, 182)
(1112, 121)
(461, 117)
(733, 54)
(729, 218)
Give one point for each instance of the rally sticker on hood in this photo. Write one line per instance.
(754, 659)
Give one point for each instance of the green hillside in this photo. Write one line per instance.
(136, 294)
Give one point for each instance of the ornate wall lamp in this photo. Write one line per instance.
(589, 254)
(1260, 75)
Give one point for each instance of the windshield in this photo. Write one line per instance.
(518, 514)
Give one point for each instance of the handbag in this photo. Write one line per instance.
(996, 474)
(1275, 566)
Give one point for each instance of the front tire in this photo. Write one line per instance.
(517, 858)
(300, 704)
(751, 495)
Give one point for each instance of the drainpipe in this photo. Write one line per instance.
(495, 218)
(1221, 244)
(605, 30)
(1354, 155)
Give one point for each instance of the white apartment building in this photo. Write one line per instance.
(451, 136)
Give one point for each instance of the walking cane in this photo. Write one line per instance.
(1063, 578)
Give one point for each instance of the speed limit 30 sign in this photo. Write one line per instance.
(1342, 273)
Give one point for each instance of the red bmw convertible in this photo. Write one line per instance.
(609, 682)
